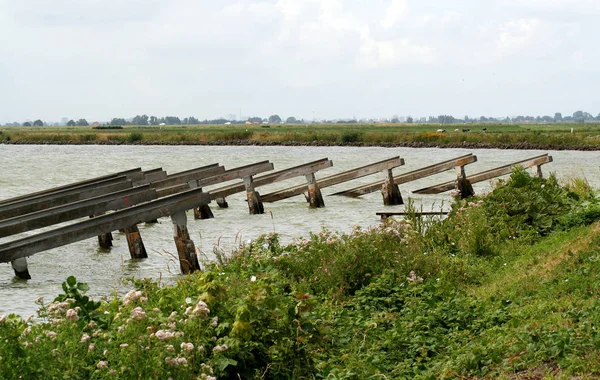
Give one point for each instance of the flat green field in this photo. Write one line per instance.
(560, 135)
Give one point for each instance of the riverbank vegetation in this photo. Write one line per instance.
(530, 136)
(505, 287)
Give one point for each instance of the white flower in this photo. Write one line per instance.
(138, 314)
(253, 278)
(102, 364)
(84, 338)
(187, 346)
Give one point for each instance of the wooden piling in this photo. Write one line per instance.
(135, 243)
(104, 240)
(463, 186)
(314, 196)
(20, 267)
(537, 170)
(186, 250)
(203, 212)
(390, 191)
(222, 202)
(255, 205)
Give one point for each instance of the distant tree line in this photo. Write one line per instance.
(576, 117)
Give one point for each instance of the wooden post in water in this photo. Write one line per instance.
(314, 196)
(390, 191)
(104, 240)
(537, 171)
(463, 186)
(135, 243)
(20, 267)
(188, 260)
(254, 203)
(222, 202)
(202, 211)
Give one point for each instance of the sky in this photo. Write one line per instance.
(310, 59)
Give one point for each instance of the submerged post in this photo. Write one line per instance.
(135, 243)
(254, 203)
(390, 191)
(202, 211)
(463, 186)
(188, 260)
(537, 171)
(104, 240)
(20, 267)
(222, 202)
(314, 196)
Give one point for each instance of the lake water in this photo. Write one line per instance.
(29, 168)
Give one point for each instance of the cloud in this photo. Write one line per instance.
(394, 12)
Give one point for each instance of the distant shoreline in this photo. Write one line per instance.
(407, 144)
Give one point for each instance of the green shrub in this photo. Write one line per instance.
(134, 137)
(351, 136)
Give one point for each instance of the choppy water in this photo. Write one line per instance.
(29, 168)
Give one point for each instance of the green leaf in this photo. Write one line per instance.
(222, 362)
(83, 287)
(71, 281)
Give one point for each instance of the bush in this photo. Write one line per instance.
(351, 137)
(134, 137)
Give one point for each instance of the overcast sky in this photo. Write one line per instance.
(99, 59)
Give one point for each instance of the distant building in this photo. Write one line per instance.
(95, 124)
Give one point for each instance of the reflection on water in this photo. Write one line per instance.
(30, 168)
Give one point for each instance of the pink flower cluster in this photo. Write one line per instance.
(134, 296)
(138, 313)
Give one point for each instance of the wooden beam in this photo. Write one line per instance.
(411, 176)
(487, 175)
(130, 174)
(336, 178)
(188, 176)
(281, 175)
(92, 206)
(186, 250)
(110, 222)
(236, 173)
(64, 197)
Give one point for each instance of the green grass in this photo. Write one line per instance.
(508, 134)
(505, 287)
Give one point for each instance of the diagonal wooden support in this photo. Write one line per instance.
(463, 186)
(20, 267)
(254, 203)
(135, 243)
(390, 191)
(186, 250)
(314, 196)
(203, 211)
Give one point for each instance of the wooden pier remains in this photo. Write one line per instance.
(385, 166)
(173, 206)
(456, 163)
(535, 162)
(122, 200)
(307, 170)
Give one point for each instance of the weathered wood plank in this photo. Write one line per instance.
(110, 222)
(281, 175)
(92, 206)
(411, 176)
(235, 173)
(188, 176)
(186, 250)
(336, 178)
(67, 196)
(131, 174)
(487, 175)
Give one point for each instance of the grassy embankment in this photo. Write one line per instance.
(505, 287)
(585, 135)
